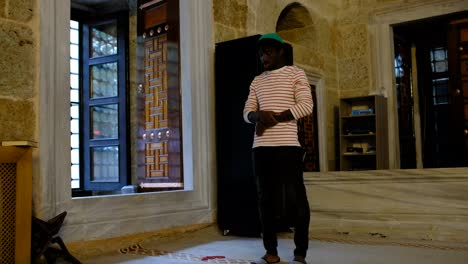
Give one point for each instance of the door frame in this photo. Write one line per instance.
(382, 55)
(317, 80)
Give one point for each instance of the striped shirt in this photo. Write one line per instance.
(279, 90)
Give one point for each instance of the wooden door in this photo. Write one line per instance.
(458, 68)
(159, 108)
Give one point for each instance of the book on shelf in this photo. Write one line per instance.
(19, 143)
(358, 112)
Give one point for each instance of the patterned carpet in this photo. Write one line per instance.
(139, 250)
(148, 250)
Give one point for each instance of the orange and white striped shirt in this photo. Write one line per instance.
(279, 90)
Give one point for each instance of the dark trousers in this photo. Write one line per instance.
(279, 174)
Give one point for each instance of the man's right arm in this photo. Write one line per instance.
(251, 105)
(261, 119)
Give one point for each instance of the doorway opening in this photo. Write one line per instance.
(429, 78)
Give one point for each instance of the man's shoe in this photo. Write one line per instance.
(267, 259)
(298, 260)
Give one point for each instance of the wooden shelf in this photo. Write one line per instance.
(351, 136)
(358, 154)
(359, 116)
(359, 135)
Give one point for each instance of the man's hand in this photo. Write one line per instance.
(259, 129)
(284, 116)
(267, 118)
(262, 120)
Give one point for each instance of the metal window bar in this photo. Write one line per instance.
(74, 104)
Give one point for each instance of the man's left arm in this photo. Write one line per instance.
(303, 98)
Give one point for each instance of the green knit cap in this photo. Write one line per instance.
(272, 36)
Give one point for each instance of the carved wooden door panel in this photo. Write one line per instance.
(308, 136)
(159, 115)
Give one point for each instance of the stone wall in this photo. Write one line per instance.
(230, 19)
(18, 69)
(353, 58)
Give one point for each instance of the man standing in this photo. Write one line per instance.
(277, 98)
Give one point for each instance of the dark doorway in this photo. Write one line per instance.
(308, 136)
(236, 65)
(436, 45)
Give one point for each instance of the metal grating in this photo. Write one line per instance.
(7, 212)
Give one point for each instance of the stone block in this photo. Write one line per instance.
(218, 11)
(18, 63)
(330, 66)
(231, 13)
(18, 120)
(353, 74)
(315, 38)
(393, 203)
(353, 16)
(224, 33)
(2, 8)
(21, 10)
(354, 93)
(251, 20)
(330, 82)
(324, 32)
(305, 36)
(304, 56)
(355, 4)
(353, 41)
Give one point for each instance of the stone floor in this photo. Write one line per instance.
(208, 245)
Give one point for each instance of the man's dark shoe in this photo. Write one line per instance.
(298, 260)
(267, 259)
